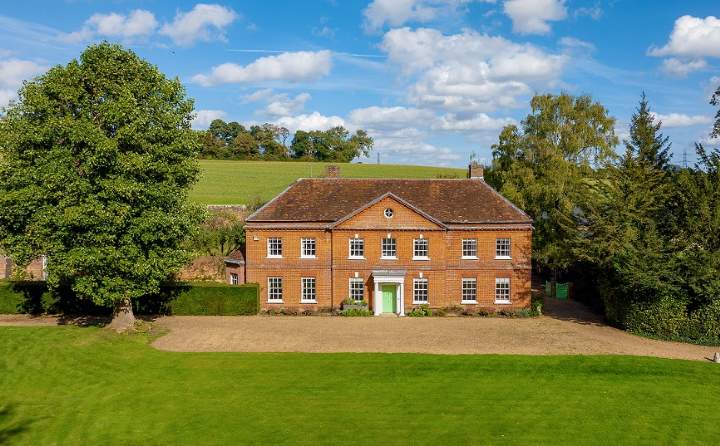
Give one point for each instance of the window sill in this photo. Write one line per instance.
(388, 258)
(468, 302)
(308, 257)
(469, 257)
(503, 258)
(308, 301)
(274, 257)
(356, 258)
(274, 301)
(419, 303)
(502, 302)
(422, 258)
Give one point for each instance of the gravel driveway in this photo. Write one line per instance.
(567, 329)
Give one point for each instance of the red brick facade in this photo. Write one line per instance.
(443, 269)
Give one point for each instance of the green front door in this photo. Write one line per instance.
(389, 301)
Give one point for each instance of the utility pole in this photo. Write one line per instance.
(685, 158)
(378, 157)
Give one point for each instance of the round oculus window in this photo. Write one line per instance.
(388, 213)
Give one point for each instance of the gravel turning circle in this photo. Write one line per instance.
(562, 333)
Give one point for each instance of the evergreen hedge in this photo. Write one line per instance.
(193, 298)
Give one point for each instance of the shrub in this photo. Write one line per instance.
(213, 299)
(356, 312)
(421, 311)
(703, 324)
(665, 318)
(199, 298)
(537, 304)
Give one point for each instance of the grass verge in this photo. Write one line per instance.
(68, 385)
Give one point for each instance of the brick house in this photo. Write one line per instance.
(395, 244)
(36, 270)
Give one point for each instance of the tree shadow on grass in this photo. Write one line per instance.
(11, 426)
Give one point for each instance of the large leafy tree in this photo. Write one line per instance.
(546, 166)
(335, 144)
(97, 160)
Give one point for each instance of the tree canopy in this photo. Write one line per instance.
(543, 166)
(97, 160)
(231, 140)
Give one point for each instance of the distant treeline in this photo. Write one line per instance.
(231, 140)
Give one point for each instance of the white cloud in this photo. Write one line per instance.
(203, 23)
(6, 95)
(137, 25)
(479, 122)
(12, 73)
(398, 12)
(391, 117)
(312, 121)
(682, 120)
(203, 118)
(681, 68)
(692, 37)
(291, 67)
(280, 104)
(469, 72)
(532, 16)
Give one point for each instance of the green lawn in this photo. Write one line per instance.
(241, 182)
(73, 385)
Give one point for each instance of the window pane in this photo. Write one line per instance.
(420, 291)
(502, 247)
(357, 289)
(420, 248)
(308, 289)
(502, 290)
(357, 247)
(275, 246)
(275, 292)
(308, 247)
(388, 247)
(469, 290)
(469, 248)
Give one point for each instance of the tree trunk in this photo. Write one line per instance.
(123, 318)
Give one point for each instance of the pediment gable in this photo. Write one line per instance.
(404, 216)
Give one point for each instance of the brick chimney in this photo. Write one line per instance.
(332, 171)
(475, 171)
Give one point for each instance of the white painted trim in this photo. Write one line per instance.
(468, 302)
(423, 258)
(400, 295)
(388, 258)
(502, 302)
(308, 301)
(421, 279)
(503, 258)
(308, 257)
(356, 258)
(470, 257)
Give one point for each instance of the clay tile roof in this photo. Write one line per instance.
(447, 200)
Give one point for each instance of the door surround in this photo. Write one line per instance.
(389, 277)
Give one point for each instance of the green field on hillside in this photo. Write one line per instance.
(69, 385)
(243, 182)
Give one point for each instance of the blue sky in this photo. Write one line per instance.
(433, 81)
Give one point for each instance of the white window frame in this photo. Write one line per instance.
(304, 242)
(270, 288)
(356, 281)
(382, 248)
(307, 290)
(427, 249)
(234, 279)
(416, 289)
(350, 248)
(468, 280)
(270, 242)
(502, 289)
(462, 248)
(498, 255)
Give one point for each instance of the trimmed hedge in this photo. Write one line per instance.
(216, 299)
(194, 298)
